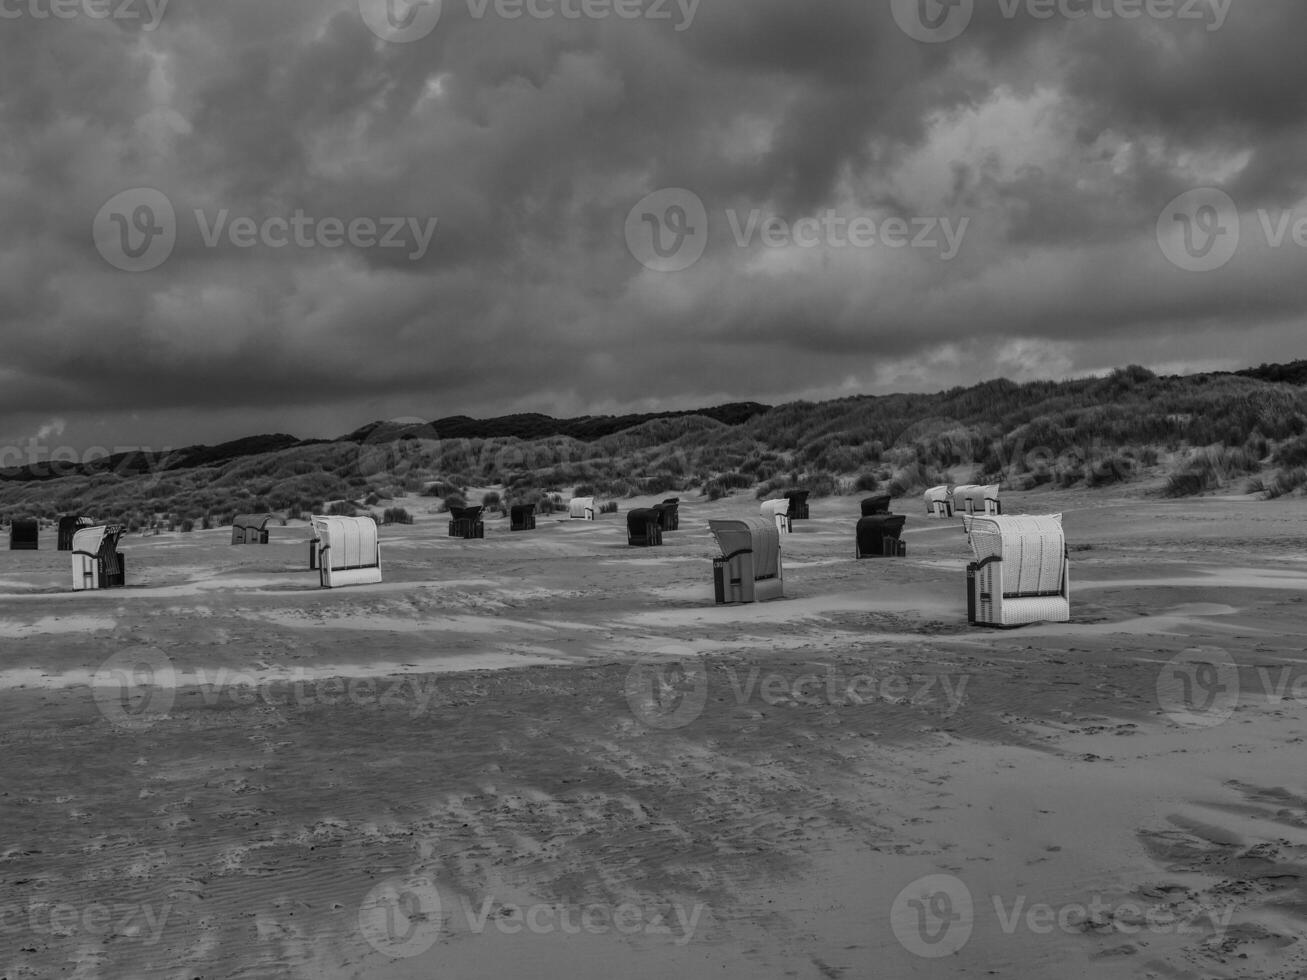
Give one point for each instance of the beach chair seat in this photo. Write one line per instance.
(523, 517)
(644, 528)
(879, 504)
(250, 529)
(348, 551)
(878, 536)
(96, 561)
(798, 504)
(69, 525)
(466, 523)
(778, 512)
(972, 500)
(1021, 573)
(939, 502)
(25, 534)
(675, 504)
(749, 568)
(669, 514)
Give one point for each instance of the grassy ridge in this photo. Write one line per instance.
(1184, 435)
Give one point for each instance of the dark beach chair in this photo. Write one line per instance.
(878, 536)
(523, 517)
(798, 504)
(68, 527)
(466, 523)
(644, 527)
(24, 535)
(878, 504)
(250, 529)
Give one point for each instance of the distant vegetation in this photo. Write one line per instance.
(1244, 431)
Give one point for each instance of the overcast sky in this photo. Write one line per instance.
(445, 209)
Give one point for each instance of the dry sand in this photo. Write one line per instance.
(465, 772)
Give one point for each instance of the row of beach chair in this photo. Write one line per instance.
(968, 500)
(1020, 572)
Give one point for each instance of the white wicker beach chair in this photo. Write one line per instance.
(972, 500)
(778, 511)
(1021, 574)
(750, 567)
(97, 563)
(348, 551)
(939, 502)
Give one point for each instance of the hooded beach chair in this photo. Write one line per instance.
(24, 535)
(644, 527)
(798, 504)
(348, 551)
(97, 562)
(939, 502)
(523, 517)
(878, 504)
(582, 508)
(1021, 574)
(972, 500)
(778, 512)
(69, 525)
(250, 529)
(878, 536)
(749, 568)
(669, 512)
(673, 510)
(465, 522)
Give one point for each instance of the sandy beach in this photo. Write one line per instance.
(549, 752)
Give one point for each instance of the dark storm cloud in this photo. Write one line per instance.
(1058, 142)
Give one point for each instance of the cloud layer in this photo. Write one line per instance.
(1056, 142)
